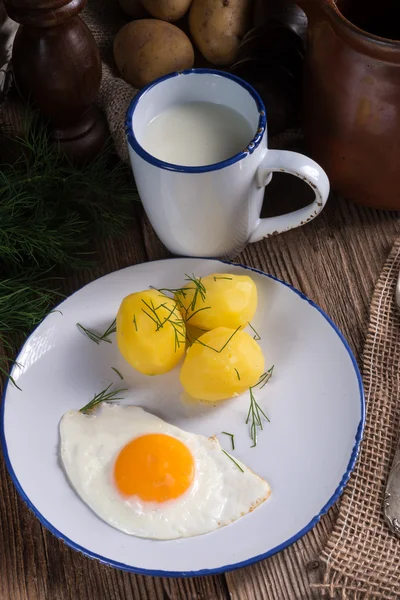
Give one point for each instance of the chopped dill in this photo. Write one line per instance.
(103, 396)
(255, 411)
(238, 374)
(110, 329)
(223, 347)
(180, 294)
(117, 372)
(257, 336)
(231, 435)
(233, 460)
(96, 338)
(172, 318)
(265, 377)
(197, 311)
(199, 290)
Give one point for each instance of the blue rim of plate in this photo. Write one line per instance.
(251, 146)
(225, 568)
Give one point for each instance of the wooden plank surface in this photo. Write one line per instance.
(336, 261)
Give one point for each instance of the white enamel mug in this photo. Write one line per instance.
(214, 210)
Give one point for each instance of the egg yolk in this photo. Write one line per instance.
(156, 467)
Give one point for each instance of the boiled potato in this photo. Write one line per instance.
(151, 334)
(215, 368)
(217, 27)
(167, 10)
(133, 8)
(147, 49)
(227, 301)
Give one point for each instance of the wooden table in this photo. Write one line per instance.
(335, 260)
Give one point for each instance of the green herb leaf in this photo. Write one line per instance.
(196, 312)
(257, 335)
(103, 396)
(172, 318)
(231, 435)
(255, 411)
(223, 347)
(117, 372)
(200, 290)
(233, 460)
(96, 338)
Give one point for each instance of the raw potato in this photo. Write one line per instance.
(211, 376)
(167, 10)
(217, 27)
(229, 301)
(149, 348)
(147, 49)
(133, 8)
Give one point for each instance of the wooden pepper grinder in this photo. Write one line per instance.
(56, 64)
(270, 58)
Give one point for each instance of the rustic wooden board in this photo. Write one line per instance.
(336, 261)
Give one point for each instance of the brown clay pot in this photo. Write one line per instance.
(352, 97)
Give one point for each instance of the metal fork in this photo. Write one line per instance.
(391, 505)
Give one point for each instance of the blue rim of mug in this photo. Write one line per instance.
(253, 144)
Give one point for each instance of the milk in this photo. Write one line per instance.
(196, 134)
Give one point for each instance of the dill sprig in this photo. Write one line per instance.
(181, 293)
(256, 335)
(232, 459)
(265, 377)
(95, 337)
(110, 329)
(256, 413)
(103, 396)
(232, 436)
(117, 372)
(189, 310)
(199, 290)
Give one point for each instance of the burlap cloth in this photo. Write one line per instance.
(362, 557)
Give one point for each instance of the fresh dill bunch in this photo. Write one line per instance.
(50, 209)
(24, 301)
(51, 213)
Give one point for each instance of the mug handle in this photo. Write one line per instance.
(304, 168)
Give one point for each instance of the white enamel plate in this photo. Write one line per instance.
(307, 451)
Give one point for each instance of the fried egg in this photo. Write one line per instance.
(151, 479)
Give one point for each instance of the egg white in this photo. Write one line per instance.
(219, 494)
